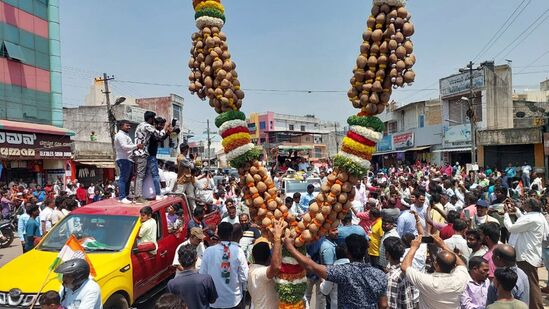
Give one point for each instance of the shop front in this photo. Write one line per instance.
(33, 152)
(456, 144)
(498, 148)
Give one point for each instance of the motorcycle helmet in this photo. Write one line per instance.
(76, 268)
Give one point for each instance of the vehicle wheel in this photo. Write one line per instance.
(8, 238)
(116, 301)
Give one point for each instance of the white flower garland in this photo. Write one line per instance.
(358, 160)
(232, 124)
(203, 21)
(231, 155)
(289, 260)
(367, 133)
(296, 281)
(390, 2)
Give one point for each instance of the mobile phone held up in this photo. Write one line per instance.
(427, 239)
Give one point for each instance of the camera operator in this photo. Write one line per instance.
(152, 162)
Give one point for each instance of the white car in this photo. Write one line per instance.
(291, 186)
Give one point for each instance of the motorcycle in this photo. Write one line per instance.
(8, 229)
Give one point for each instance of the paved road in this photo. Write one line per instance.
(8, 254)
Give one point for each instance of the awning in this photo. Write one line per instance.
(98, 164)
(402, 150)
(453, 150)
(34, 128)
(14, 51)
(418, 148)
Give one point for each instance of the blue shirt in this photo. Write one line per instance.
(327, 252)
(344, 231)
(40, 196)
(510, 171)
(406, 223)
(32, 229)
(21, 225)
(359, 285)
(305, 201)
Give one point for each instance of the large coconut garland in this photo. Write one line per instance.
(385, 61)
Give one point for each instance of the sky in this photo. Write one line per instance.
(309, 45)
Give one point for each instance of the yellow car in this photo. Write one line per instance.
(126, 272)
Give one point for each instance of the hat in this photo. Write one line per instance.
(196, 231)
(482, 203)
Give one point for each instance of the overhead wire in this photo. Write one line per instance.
(523, 35)
(502, 29)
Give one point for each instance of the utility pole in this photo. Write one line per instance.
(209, 141)
(472, 116)
(112, 120)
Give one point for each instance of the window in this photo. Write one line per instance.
(302, 128)
(262, 125)
(158, 218)
(291, 127)
(421, 121)
(12, 51)
(177, 112)
(270, 125)
(458, 111)
(391, 127)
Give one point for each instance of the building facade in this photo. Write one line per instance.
(271, 130)
(412, 133)
(30, 62)
(93, 158)
(33, 144)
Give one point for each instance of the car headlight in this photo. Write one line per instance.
(3, 299)
(14, 298)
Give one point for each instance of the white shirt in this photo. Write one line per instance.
(329, 288)
(231, 221)
(358, 207)
(527, 233)
(47, 216)
(537, 181)
(457, 241)
(439, 290)
(449, 207)
(123, 145)
(296, 209)
(229, 294)
(199, 253)
(147, 233)
(526, 169)
(88, 296)
(262, 289)
(171, 179)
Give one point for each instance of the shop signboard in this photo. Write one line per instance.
(460, 83)
(403, 140)
(385, 144)
(19, 145)
(457, 135)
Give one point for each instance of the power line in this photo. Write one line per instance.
(501, 30)
(523, 35)
(535, 60)
(257, 89)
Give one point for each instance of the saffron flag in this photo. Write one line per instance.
(72, 250)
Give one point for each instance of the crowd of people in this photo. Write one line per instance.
(417, 236)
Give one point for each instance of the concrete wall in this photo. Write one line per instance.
(499, 102)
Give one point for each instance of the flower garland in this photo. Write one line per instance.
(209, 4)
(208, 21)
(291, 282)
(209, 13)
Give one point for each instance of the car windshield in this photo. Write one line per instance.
(301, 186)
(94, 232)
